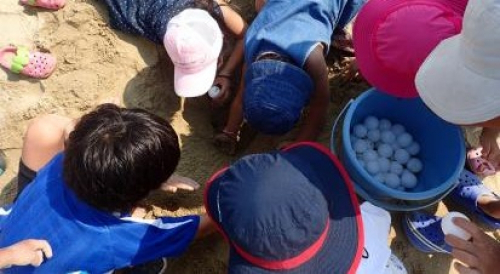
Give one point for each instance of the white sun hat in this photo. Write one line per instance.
(460, 79)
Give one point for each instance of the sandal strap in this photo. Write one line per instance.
(21, 59)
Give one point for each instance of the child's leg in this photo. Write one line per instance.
(44, 138)
(228, 138)
(235, 114)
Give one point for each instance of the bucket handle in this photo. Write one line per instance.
(335, 124)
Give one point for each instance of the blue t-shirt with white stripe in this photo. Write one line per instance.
(82, 237)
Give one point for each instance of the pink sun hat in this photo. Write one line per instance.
(392, 38)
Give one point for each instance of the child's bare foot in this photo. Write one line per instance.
(226, 142)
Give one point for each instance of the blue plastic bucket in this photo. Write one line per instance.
(442, 151)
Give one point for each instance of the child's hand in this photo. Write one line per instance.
(480, 254)
(176, 182)
(225, 88)
(490, 150)
(29, 252)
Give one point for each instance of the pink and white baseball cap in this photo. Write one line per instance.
(392, 38)
(193, 41)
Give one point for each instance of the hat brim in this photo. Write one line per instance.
(189, 84)
(342, 250)
(385, 79)
(454, 92)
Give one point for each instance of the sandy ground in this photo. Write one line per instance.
(96, 63)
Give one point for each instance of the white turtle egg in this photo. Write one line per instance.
(360, 146)
(398, 129)
(396, 168)
(370, 155)
(373, 135)
(384, 124)
(413, 149)
(372, 167)
(408, 180)
(414, 165)
(387, 137)
(392, 180)
(380, 177)
(404, 140)
(362, 163)
(401, 156)
(449, 227)
(371, 145)
(360, 131)
(385, 150)
(371, 122)
(384, 164)
(395, 146)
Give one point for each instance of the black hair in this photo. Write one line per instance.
(116, 156)
(213, 8)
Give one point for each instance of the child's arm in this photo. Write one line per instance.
(27, 252)
(316, 67)
(206, 227)
(235, 117)
(237, 26)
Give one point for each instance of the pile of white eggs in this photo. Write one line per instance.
(387, 152)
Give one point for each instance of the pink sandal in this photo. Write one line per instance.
(478, 164)
(22, 61)
(47, 4)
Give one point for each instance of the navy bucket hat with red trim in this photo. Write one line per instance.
(291, 211)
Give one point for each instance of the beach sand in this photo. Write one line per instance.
(97, 64)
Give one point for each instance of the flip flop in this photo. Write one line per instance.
(478, 164)
(424, 232)
(22, 61)
(466, 193)
(47, 4)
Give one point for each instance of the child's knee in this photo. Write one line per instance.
(47, 130)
